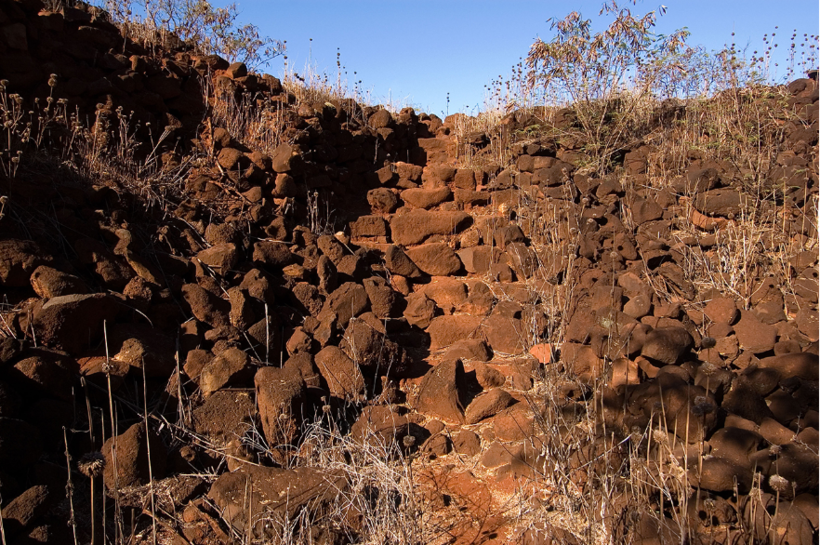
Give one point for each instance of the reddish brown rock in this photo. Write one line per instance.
(506, 334)
(382, 200)
(308, 297)
(280, 395)
(426, 198)
(719, 475)
(21, 512)
(582, 361)
(791, 524)
(398, 263)
(721, 202)
(71, 322)
(488, 377)
(735, 445)
(487, 405)
(435, 149)
(465, 179)
(141, 346)
(437, 175)
(46, 374)
(221, 258)
(439, 392)
(242, 315)
(49, 282)
(232, 159)
(624, 372)
(515, 423)
(272, 254)
(721, 310)
(470, 350)
(383, 299)
(436, 259)
(372, 351)
(268, 493)
(754, 335)
(380, 425)
(446, 330)
(225, 416)
(205, 306)
(18, 259)
(466, 443)
(418, 224)
(638, 306)
(468, 198)
(807, 323)
(645, 210)
(230, 367)
(348, 301)
(130, 450)
(343, 377)
(380, 119)
(287, 158)
(774, 432)
(368, 226)
(802, 365)
(667, 345)
(479, 259)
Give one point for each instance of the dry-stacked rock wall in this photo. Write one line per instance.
(358, 268)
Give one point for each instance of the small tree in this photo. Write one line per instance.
(608, 75)
(207, 29)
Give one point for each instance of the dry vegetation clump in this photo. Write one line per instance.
(243, 310)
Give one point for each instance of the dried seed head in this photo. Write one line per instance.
(91, 464)
(779, 484)
(326, 409)
(709, 504)
(408, 441)
(775, 450)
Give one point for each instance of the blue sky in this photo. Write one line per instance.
(415, 53)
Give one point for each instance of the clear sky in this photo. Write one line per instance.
(416, 52)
